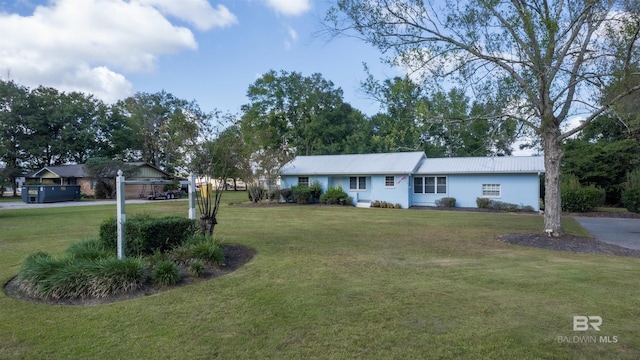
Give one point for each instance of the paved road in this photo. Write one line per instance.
(621, 232)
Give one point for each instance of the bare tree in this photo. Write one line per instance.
(546, 61)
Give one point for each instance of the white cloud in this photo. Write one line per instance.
(87, 45)
(291, 39)
(196, 12)
(290, 7)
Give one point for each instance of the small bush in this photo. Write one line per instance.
(503, 206)
(316, 190)
(483, 203)
(397, 206)
(631, 191)
(145, 235)
(527, 208)
(447, 202)
(578, 198)
(165, 273)
(375, 204)
(197, 268)
(335, 196)
(301, 194)
(256, 193)
(274, 195)
(286, 194)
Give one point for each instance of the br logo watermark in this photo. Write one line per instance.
(587, 323)
(582, 323)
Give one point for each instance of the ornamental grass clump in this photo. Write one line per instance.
(165, 273)
(207, 249)
(90, 249)
(197, 268)
(71, 277)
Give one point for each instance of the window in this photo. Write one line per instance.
(357, 183)
(417, 185)
(491, 190)
(442, 185)
(430, 185)
(303, 181)
(389, 181)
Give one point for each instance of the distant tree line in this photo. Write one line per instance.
(288, 114)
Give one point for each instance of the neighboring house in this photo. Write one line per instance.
(79, 175)
(412, 179)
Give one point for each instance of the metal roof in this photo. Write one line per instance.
(355, 164)
(482, 165)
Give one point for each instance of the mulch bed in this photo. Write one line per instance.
(235, 257)
(576, 244)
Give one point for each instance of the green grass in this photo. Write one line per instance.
(338, 283)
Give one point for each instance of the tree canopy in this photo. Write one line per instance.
(542, 62)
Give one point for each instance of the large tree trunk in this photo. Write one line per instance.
(552, 200)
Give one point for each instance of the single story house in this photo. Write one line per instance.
(78, 174)
(412, 179)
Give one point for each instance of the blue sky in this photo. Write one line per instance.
(204, 50)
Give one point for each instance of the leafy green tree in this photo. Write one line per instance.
(602, 163)
(81, 115)
(164, 127)
(441, 124)
(305, 114)
(42, 143)
(399, 128)
(13, 98)
(541, 61)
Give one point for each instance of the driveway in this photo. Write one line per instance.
(617, 231)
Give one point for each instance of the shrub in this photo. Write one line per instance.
(165, 273)
(375, 204)
(631, 191)
(146, 235)
(286, 194)
(502, 206)
(483, 203)
(447, 202)
(335, 195)
(316, 190)
(274, 195)
(256, 193)
(527, 208)
(578, 198)
(197, 268)
(301, 194)
(397, 206)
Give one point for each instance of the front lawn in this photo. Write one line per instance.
(340, 283)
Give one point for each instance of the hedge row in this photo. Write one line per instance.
(145, 235)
